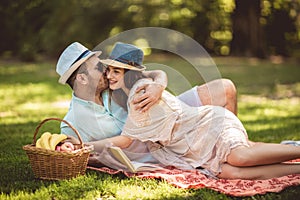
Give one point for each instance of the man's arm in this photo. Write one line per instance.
(153, 91)
(119, 141)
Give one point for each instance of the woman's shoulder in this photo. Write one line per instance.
(143, 81)
(140, 82)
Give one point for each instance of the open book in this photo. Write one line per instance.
(132, 166)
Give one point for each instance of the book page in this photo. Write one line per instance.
(138, 166)
(121, 156)
(133, 166)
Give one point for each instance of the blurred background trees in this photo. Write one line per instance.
(256, 28)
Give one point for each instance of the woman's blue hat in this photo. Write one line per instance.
(126, 56)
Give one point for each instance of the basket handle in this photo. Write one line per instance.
(57, 119)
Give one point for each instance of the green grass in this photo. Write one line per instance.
(29, 92)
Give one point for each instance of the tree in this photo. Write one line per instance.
(247, 31)
(241, 27)
(281, 26)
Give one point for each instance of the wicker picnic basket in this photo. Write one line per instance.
(55, 165)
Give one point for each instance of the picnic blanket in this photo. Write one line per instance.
(195, 179)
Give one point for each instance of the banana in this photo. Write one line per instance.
(55, 139)
(44, 142)
(38, 143)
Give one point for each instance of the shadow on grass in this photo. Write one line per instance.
(16, 173)
(274, 129)
(17, 176)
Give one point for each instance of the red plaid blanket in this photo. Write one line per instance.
(194, 179)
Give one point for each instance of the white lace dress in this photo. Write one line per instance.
(185, 137)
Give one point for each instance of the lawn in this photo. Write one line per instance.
(268, 106)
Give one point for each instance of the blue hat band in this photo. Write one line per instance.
(84, 54)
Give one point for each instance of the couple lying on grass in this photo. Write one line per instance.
(152, 125)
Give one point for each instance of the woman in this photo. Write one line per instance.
(208, 137)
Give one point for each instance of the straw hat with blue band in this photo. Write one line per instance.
(126, 56)
(71, 58)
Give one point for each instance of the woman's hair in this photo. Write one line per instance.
(119, 97)
(130, 78)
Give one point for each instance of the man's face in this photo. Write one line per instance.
(97, 75)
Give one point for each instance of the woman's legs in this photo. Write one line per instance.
(219, 92)
(258, 172)
(262, 154)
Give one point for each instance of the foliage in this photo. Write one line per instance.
(34, 27)
(29, 92)
(283, 14)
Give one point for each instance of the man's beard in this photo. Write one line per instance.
(102, 85)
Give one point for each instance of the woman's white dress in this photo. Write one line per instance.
(183, 136)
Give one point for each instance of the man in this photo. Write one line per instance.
(96, 117)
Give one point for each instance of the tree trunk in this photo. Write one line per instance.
(247, 31)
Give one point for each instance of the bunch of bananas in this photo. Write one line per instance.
(49, 141)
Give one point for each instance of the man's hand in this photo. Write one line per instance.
(72, 139)
(152, 93)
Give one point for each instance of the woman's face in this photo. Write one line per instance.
(115, 77)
